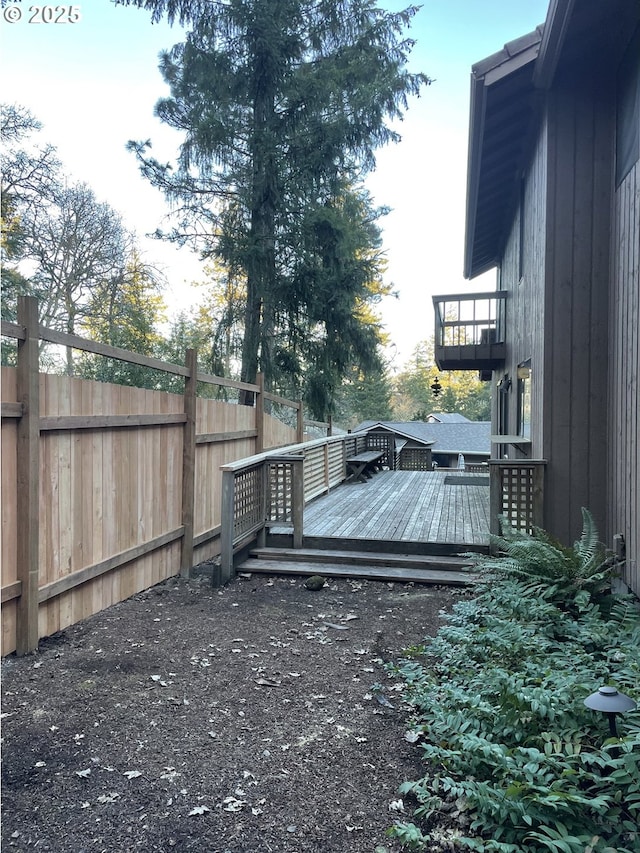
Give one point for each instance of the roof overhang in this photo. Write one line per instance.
(577, 38)
(502, 112)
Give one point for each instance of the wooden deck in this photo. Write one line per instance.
(405, 506)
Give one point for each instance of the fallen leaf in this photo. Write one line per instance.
(132, 774)
(199, 810)
(83, 773)
(231, 804)
(111, 797)
(337, 627)
(396, 806)
(267, 682)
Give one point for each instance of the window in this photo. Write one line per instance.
(628, 111)
(524, 399)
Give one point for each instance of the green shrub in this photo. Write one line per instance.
(514, 761)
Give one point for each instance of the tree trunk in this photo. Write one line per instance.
(261, 267)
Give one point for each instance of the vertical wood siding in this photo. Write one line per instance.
(525, 303)
(623, 500)
(576, 300)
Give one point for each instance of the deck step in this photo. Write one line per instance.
(313, 555)
(405, 568)
(360, 572)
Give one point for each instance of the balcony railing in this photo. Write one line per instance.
(470, 331)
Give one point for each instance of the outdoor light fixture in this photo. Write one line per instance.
(610, 702)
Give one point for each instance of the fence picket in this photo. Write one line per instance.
(96, 480)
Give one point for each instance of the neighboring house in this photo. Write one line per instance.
(445, 441)
(446, 418)
(553, 202)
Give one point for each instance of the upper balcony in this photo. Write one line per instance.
(470, 331)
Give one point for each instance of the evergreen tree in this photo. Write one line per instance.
(282, 104)
(462, 391)
(124, 311)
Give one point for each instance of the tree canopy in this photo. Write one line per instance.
(282, 104)
(462, 391)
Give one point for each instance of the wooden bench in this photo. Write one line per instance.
(364, 465)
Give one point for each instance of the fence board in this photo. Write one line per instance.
(111, 482)
(9, 516)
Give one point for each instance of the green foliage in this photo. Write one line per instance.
(462, 391)
(497, 699)
(282, 104)
(545, 565)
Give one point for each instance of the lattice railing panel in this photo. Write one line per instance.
(415, 459)
(248, 500)
(518, 491)
(382, 441)
(280, 492)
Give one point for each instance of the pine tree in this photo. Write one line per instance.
(282, 104)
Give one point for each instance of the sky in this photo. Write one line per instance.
(93, 85)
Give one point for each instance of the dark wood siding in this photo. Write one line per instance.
(525, 303)
(576, 303)
(624, 375)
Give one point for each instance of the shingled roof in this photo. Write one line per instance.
(470, 437)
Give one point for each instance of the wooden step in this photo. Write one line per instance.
(404, 546)
(312, 555)
(397, 574)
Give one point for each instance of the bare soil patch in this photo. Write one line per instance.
(194, 719)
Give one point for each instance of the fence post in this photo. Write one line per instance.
(189, 463)
(300, 424)
(226, 532)
(28, 477)
(260, 413)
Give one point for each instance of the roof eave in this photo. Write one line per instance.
(487, 73)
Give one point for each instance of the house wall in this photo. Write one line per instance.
(525, 303)
(558, 301)
(623, 500)
(580, 161)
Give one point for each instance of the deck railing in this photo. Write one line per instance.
(272, 488)
(516, 493)
(470, 330)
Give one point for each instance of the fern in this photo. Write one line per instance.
(497, 697)
(541, 562)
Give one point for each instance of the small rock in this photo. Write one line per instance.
(314, 582)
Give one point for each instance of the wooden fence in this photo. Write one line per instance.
(109, 489)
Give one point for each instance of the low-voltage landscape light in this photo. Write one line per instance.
(608, 700)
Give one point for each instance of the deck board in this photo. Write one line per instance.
(404, 506)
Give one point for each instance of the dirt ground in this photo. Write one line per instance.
(253, 718)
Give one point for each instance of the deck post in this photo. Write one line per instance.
(297, 486)
(260, 413)
(300, 424)
(28, 480)
(495, 497)
(226, 532)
